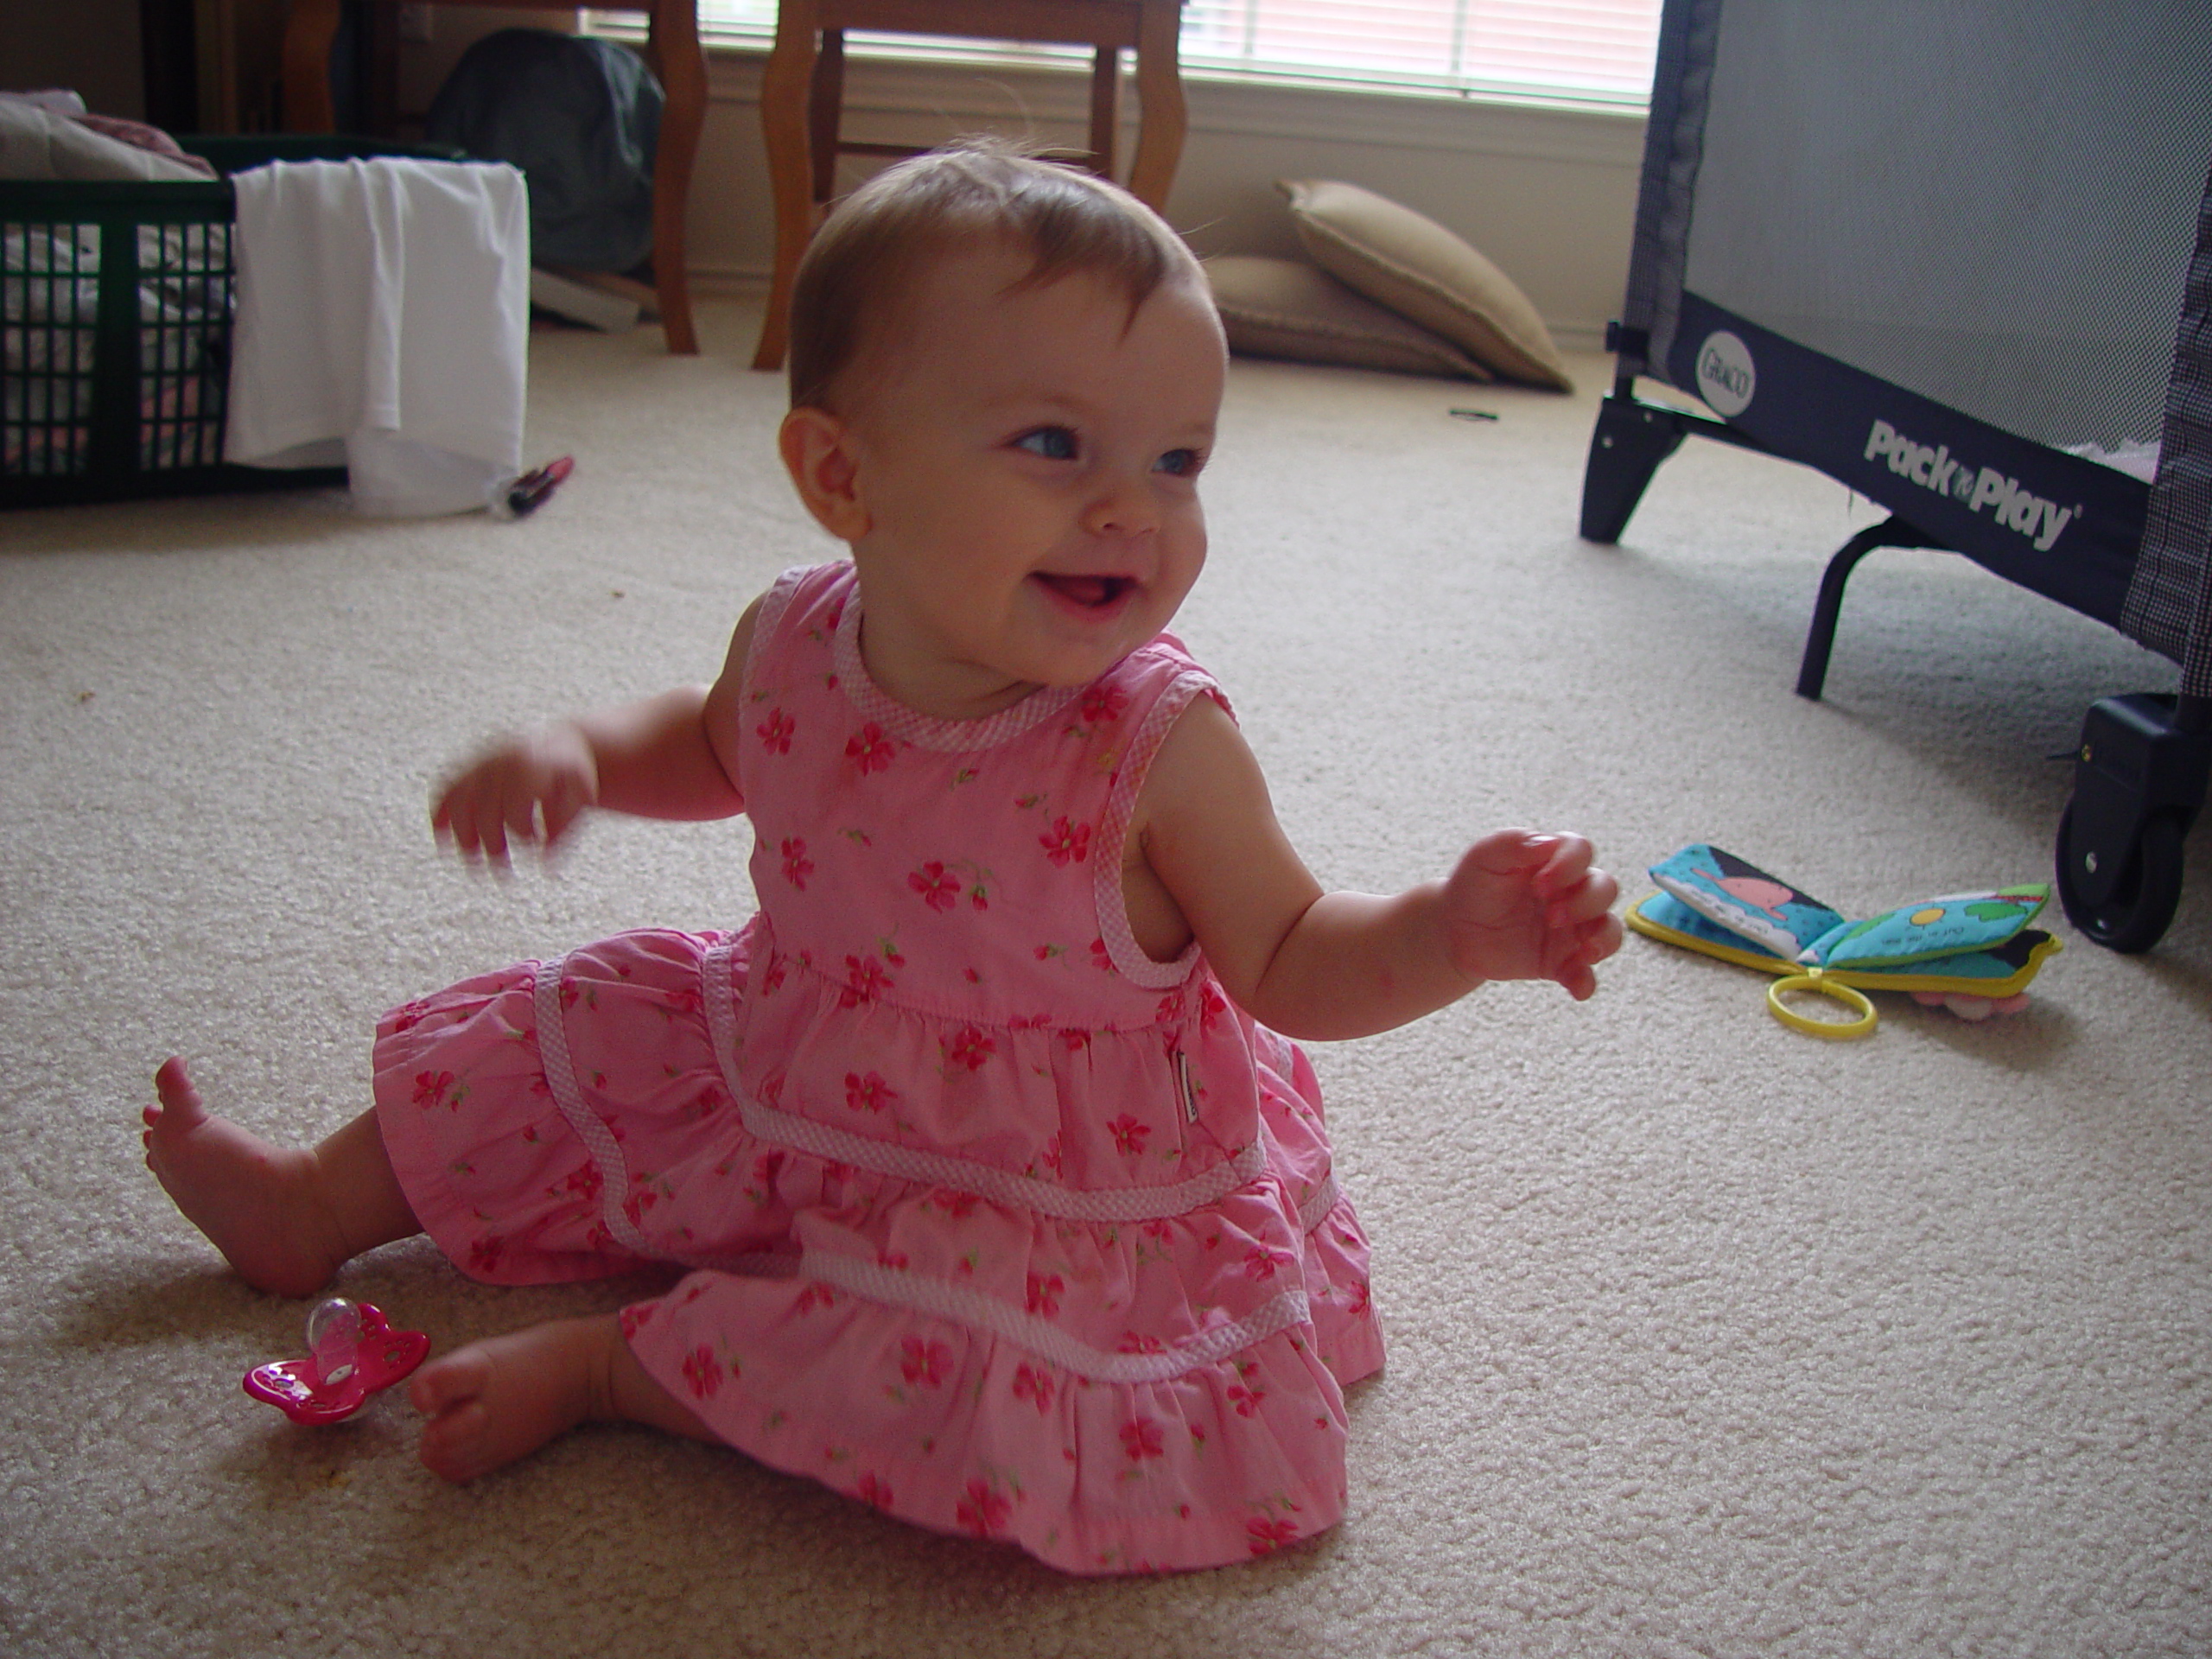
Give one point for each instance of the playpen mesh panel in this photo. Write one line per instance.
(1940, 195)
(2170, 602)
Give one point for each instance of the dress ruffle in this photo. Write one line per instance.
(965, 1432)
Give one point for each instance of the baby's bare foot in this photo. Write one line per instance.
(501, 1399)
(257, 1203)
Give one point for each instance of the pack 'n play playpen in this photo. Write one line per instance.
(1958, 257)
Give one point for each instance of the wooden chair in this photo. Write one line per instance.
(802, 97)
(672, 52)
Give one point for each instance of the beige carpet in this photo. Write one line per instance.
(1706, 1337)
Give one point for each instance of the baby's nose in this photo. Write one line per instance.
(1122, 506)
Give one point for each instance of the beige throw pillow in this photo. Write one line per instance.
(1411, 263)
(1285, 308)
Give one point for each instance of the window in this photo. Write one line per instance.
(1593, 53)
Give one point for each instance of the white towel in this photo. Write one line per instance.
(383, 320)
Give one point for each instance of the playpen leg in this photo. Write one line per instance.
(1631, 440)
(1820, 638)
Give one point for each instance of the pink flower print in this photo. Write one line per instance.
(430, 1089)
(1361, 1298)
(584, 1181)
(837, 615)
(1101, 958)
(1044, 1292)
(410, 1016)
(1140, 1439)
(484, 1254)
(939, 889)
(956, 1205)
(924, 1362)
(869, 748)
(979, 897)
(897, 1260)
(634, 1319)
(864, 983)
(1247, 1401)
(776, 731)
(1267, 1536)
(1076, 1041)
(1065, 840)
(1138, 1342)
(1051, 1155)
(1102, 703)
(970, 1048)
(702, 1372)
(1160, 1229)
(796, 865)
(983, 1511)
(817, 1294)
(1211, 1006)
(772, 978)
(873, 1491)
(1264, 1262)
(1128, 1135)
(1030, 1384)
(868, 1094)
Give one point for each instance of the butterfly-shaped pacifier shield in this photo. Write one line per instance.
(352, 1353)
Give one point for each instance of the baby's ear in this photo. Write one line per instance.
(818, 450)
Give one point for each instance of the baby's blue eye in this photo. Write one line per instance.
(1053, 442)
(1183, 463)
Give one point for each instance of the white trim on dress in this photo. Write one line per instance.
(1026, 1331)
(718, 991)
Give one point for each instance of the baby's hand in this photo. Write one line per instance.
(530, 788)
(1522, 905)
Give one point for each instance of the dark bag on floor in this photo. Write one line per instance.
(580, 117)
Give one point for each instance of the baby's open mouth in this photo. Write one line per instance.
(1092, 592)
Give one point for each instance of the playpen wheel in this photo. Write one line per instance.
(2135, 917)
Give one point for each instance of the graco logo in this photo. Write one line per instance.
(1725, 377)
(1934, 468)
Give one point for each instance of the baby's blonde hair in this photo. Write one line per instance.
(867, 258)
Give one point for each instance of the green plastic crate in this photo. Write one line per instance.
(115, 314)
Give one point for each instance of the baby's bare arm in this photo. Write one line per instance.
(1346, 964)
(670, 756)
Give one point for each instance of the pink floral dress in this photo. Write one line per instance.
(993, 1222)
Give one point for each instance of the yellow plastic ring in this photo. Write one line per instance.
(1821, 985)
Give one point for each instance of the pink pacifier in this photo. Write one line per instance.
(352, 1354)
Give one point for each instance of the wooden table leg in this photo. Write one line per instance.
(785, 86)
(675, 30)
(1159, 93)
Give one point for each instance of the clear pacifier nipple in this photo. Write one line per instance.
(333, 1341)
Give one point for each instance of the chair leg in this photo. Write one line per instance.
(1105, 108)
(825, 110)
(675, 44)
(1159, 93)
(783, 88)
(309, 32)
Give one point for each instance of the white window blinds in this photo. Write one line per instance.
(1591, 52)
